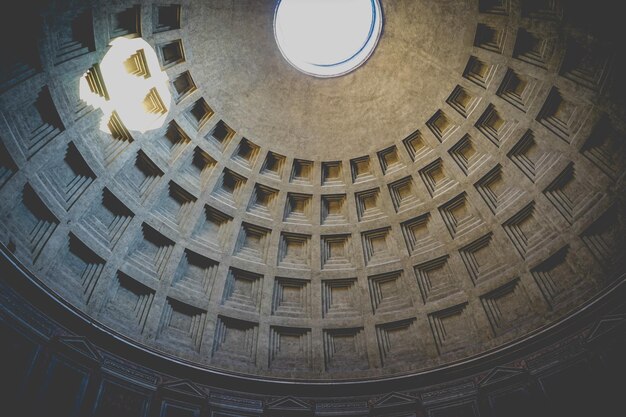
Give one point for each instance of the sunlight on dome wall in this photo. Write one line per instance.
(137, 88)
(327, 38)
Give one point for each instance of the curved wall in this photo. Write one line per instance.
(56, 361)
(493, 209)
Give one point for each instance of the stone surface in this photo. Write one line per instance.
(460, 190)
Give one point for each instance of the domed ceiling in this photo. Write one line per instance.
(460, 191)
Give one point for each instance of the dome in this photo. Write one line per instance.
(451, 199)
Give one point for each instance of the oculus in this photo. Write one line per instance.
(327, 38)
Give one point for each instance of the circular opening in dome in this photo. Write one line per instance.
(327, 38)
